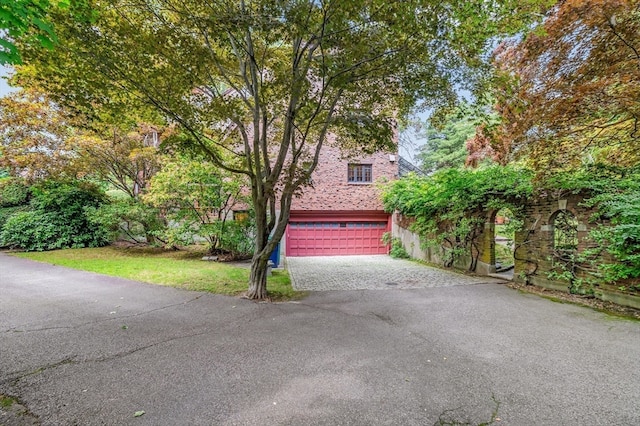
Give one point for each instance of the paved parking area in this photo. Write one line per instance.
(379, 272)
(79, 348)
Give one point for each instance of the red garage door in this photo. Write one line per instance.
(334, 236)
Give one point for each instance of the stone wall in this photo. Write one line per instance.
(415, 247)
(535, 243)
(534, 259)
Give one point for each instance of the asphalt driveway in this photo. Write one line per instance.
(80, 348)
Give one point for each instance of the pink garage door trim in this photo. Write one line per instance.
(336, 236)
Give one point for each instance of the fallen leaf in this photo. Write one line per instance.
(138, 413)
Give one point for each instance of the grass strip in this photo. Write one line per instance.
(181, 269)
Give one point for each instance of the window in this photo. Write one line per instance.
(359, 173)
(240, 215)
(565, 232)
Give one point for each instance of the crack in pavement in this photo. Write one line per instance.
(142, 348)
(71, 327)
(19, 375)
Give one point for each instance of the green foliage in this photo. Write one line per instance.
(7, 212)
(23, 18)
(26, 22)
(31, 231)
(128, 217)
(238, 237)
(13, 192)
(446, 204)
(451, 192)
(445, 146)
(14, 195)
(57, 219)
(614, 193)
(397, 249)
(198, 199)
(622, 237)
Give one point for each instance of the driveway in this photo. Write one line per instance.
(378, 272)
(81, 348)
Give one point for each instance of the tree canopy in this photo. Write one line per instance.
(445, 144)
(26, 22)
(39, 139)
(569, 94)
(258, 85)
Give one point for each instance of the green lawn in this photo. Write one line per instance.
(182, 269)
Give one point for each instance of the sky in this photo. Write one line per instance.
(4, 87)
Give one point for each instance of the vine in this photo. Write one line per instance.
(614, 194)
(449, 205)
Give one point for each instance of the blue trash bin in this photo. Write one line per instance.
(275, 255)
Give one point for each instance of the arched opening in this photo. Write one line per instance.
(504, 225)
(564, 241)
(565, 232)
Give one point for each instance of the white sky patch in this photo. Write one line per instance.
(5, 89)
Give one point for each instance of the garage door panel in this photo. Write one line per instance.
(335, 238)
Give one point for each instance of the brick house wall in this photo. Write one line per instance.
(335, 217)
(330, 189)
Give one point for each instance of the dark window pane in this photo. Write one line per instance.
(359, 173)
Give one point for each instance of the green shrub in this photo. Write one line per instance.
(57, 219)
(32, 231)
(127, 218)
(197, 198)
(7, 212)
(238, 237)
(621, 238)
(13, 192)
(397, 249)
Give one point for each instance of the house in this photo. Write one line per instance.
(341, 212)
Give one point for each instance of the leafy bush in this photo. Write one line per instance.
(198, 198)
(621, 238)
(7, 212)
(397, 249)
(238, 238)
(129, 218)
(13, 192)
(32, 231)
(57, 219)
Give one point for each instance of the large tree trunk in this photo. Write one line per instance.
(266, 244)
(258, 278)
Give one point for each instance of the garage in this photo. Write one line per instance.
(339, 234)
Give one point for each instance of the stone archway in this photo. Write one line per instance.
(497, 243)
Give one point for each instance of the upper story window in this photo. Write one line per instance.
(359, 173)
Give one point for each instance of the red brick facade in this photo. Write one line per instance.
(332, 192)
